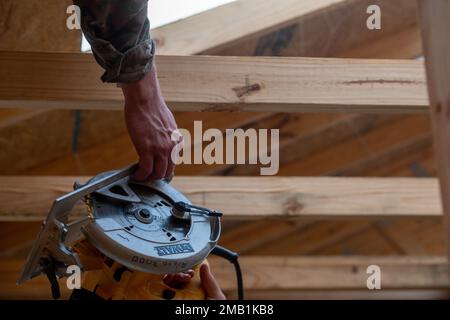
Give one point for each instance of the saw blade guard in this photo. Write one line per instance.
(140, 226)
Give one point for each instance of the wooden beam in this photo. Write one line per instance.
(330, 33)
(29, 198)
(199, 83)
(435, 22)
(291, 273)
(243, 19)
(309, 28)
(265, 273)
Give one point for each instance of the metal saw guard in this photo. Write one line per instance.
(113, 241)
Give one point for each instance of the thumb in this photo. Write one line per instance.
(210, 284)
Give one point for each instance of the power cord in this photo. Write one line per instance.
(233, 258)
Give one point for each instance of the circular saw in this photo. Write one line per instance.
(147, 230)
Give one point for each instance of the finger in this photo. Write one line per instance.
(145, 169)
(210, 284)
(170, 169)
(160, 168)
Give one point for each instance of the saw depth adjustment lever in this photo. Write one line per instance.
(182, 210)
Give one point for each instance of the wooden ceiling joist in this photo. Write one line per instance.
(335, 272)
(332, 33)
(311, 28)
(201, 83)
(243, 19)
(29, 198)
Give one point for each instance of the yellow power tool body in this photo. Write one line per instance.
(110, 280)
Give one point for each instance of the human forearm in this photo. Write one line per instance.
(144, 92)
(150, 124)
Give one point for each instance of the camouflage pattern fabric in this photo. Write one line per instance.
(118, 31)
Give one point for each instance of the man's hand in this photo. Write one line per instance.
(150, 124)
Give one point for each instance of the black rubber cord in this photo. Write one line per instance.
(48, 266)
(233, 258)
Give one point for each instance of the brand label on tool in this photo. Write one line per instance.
(174, 249)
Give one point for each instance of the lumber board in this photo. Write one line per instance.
(243, 19)
(435, 23)
(307, 28)
(29, 198)
(266, 273)
(206, 83)
(331, 33)
(286, 273)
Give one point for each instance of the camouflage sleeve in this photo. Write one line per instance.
(118, 32)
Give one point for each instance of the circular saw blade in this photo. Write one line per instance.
(134, 225)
